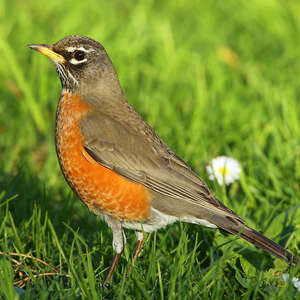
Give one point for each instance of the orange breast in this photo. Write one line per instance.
(96, 186)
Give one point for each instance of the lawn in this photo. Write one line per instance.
(212, 78)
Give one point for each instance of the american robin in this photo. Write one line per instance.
(117, 165)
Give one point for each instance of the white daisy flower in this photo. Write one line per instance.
(295, 281)
(224, 169)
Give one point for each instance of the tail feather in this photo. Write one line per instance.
(264, 243)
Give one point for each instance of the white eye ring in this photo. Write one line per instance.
(74, 61)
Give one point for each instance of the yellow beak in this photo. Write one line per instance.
(48, 51)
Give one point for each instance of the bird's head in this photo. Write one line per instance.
(81, 63)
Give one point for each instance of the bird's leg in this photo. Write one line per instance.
(119, 241)
(139, 245)
(112, 267)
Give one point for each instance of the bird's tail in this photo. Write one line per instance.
(264, 243)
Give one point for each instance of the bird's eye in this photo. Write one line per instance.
(79, 55)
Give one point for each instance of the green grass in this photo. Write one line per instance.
(212, 78)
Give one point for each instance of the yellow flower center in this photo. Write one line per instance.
(223, 171)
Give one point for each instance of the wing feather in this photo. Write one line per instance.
(122, 146)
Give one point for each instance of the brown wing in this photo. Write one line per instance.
(126, 144)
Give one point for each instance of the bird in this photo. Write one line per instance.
(118, 166)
